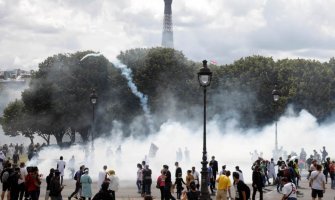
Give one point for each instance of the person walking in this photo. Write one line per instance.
(317, 183)
(215, 169)
(56, 187)
(139, 178)
(48, 181)
(114, 183)
(223, 185)
(102, 176)
(161, 183)
(289, 189)
(77, 177)
(257, 183)
(60, 167)
(179, 184)
(242, 191)
(23, 174)
(147, 181)
(86, 183)
(196, 176)
(168, 184)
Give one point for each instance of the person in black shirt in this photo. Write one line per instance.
(241, 189)
(215, 168)
(178, 170)
(257, 183)
(193, 194)
(168, 184)
(56, 187)
(103, 194)
(48, 180)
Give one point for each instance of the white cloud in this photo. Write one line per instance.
(224, 30)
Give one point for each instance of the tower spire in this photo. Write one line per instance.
(167, 39)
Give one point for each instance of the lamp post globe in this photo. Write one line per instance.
(275, 94)
(204, 78)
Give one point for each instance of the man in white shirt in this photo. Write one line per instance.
(237, 168)
(318, 183)
(60, 167)
(102, 176)
(272, 171)
(289, 190)
(196, 177)
(21, 181)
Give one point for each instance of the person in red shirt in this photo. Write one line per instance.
(33, 183)
(332, 173)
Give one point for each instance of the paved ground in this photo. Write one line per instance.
(128, 191)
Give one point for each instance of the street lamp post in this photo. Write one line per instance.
(93, 99)
(204, 77)
(276, 95)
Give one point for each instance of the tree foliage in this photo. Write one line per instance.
(58, 97)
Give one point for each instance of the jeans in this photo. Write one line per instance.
(260, 190)
(139, 185)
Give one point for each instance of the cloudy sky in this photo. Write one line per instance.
(221, 30)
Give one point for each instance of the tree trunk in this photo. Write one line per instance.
(84, 133)
(59, 138)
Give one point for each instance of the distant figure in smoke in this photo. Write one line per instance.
(71, 166)
(187, 155)
(153, 150)
(118, 150)
(254, 155)
(303, 155)
(86, 183)
(179, 155)
(16, 157)
(324, 154)
(60, 167)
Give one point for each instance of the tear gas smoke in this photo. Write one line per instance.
(127, 73)
(231, 146)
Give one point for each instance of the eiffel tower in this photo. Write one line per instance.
(167, 39)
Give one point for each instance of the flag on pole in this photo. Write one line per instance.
(213, 62)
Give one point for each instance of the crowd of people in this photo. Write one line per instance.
(19, 181)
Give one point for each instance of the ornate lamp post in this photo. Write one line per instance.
(204, 77)
(93, 99)
(276, 96)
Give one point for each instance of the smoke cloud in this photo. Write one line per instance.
(230, 145)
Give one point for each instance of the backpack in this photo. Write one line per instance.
(286, 173)
(4, 176)
(76, 176)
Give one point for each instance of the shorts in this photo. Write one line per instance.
(5, 187)
(316, 192)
